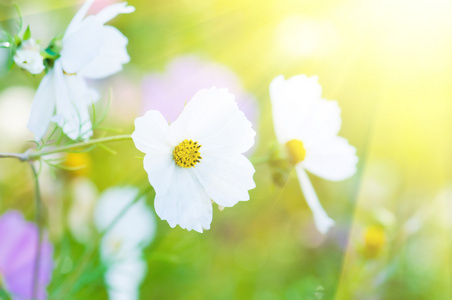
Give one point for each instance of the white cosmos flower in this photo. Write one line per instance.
(80, 214)
(198, 158)
(134, 230)
(90, 50)
(125, 277)
(122, 246)
(28, 57)
(308, 126)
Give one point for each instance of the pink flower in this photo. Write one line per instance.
(19, 240)
(184, 76)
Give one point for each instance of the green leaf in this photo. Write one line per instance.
(84, 150)
(108, 149)
(17, 40)
(4, 295)
(27, 34)
(104, 116)
(94, 113)
(110, 129)
(19, 21)
(55, 128)
(12, 50)
(63, 167)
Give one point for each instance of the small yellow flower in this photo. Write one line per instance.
(374, 240)
(79, 162)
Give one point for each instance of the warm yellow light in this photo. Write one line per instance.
(299, 36)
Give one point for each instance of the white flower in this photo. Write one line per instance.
(197, 158)
(80, 214)
(13, 122)
(124, 278)
(134, 230)
(28, 57)
(308, 126)
(90, 50)
(121, 248)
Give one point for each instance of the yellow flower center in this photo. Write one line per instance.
(186, 154)
(296, 151)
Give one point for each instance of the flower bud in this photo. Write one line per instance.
(28, 57)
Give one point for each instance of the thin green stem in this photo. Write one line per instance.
(19, 156)
(38, 223)
(33, 156)
(4, 294)
(30, 156)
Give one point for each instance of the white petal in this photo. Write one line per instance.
(185, 204)
(111, 57)
(160, 168)
(113, 10)
(226, 179)
(332, 158)
(124, 278)
(77, 19)
(43, 106)
(213, 119)
(321, 219)
(151, 133)
(299, 112)
(73, 99)
(82, 46)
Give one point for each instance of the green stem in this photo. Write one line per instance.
(33, 156)
(38, 223)
(30, 156)
(19, 156)
(4, 294)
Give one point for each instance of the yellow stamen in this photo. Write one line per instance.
(70, 74)
(296, 151)
(186, 154)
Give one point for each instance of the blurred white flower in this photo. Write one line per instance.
(28, 57)
(121, 247)
(90, 50)
(124, 278)
(197, 158)
(80, 215)
(307, 126)
(134, 230)
(14, 104)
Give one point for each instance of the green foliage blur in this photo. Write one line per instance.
(388, 65)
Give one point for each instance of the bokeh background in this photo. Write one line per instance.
(387, 63)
